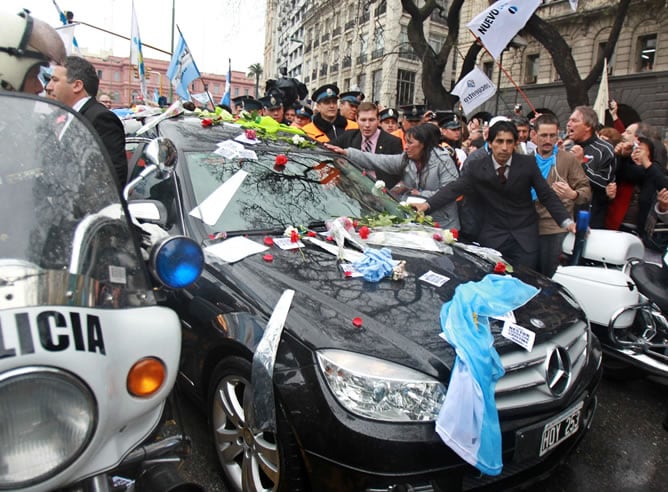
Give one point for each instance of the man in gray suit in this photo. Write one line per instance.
(502, 181)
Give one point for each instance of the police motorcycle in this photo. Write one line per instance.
(624, 296)
(87, 356)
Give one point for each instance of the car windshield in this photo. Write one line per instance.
(64, 236)
(311, 187)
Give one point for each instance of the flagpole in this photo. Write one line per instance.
(171, 90)
(524, 96)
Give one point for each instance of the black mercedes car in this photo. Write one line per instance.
(339, 387)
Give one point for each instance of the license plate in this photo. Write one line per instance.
(560, 429)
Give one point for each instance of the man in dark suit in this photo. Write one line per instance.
(75, 83)
(369, 137)
(502, 182)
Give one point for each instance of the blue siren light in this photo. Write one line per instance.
(177, 262)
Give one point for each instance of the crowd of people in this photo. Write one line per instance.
(510, 182)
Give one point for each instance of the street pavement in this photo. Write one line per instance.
(626, 449)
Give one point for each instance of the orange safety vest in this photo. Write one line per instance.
(400, 133)
(317, 134)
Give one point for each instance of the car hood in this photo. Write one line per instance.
(400, 318)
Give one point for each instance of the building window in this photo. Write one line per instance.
(646, 53)
(405, 49)
(99, 74)
(117, 76)
(488, 69)
(405, 87)
(436, 42)
(236, 91)
(376, 83)
(361, 82)
(531, 76)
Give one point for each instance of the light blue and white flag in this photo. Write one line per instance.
(473, 90)
(156, 95)
(498, 24)
(73, 45)
(228, 85)
(136, 55)
(182, 69)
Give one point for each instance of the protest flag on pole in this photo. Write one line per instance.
(136, 55)
(182, 69)
(602, 97)
(473, 90)
(498, 24)
(65, 21)
(225, 101)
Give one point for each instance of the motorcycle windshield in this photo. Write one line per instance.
(64, 235)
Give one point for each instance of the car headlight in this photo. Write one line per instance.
(48, 419)
(379, 389)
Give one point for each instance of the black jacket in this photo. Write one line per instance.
(112, 133)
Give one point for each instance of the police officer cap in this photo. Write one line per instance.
(271, 101)
(327, 91)
(252, 105)
(353, 97)
(448, 120)
(304, 111)
(240, 100)
(388, 113)
(413, 112)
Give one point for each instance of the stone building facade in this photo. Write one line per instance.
(364, 43)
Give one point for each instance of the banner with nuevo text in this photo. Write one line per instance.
(182, 69)
(473, 90)
(498, 24)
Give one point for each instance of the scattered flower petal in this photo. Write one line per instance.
(268, 258)
(357, 322)
(438, 237)
(500, 267)
(207, 122)
(268, 241)
(455, 233)
(312, 234)
(281, 160)
(251, 135)
(364, 232)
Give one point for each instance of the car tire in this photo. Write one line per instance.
(250, 460)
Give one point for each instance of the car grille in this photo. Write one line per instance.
(525, 381)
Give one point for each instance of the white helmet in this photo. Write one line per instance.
(24, 43)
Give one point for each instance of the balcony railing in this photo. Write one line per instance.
(324, 37)
(316, 43)
(336, 31)
(323, 71)
(347, 62)
(334, 68)
(377, 53)
(365, 17)
(361, 59)
(350, 24)
(408, 54)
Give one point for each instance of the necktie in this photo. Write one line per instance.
(366, 147)
(501, 171)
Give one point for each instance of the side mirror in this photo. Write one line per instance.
(161, 151)
(162, 156)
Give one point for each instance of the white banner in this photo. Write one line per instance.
(499, 23)
(602, 97)
(66, 33)
(473, 90)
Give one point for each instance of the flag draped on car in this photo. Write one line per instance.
(136, 55)
(182, 69)
(469, 421)
(500, 22)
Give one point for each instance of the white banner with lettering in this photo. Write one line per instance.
(498, 24)
(473, 90)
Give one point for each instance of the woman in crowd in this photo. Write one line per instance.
(423, 168)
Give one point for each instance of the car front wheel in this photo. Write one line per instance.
(251, 460)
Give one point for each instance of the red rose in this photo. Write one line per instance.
(268, 241)
(207, 122)
(455, 233)
(364, 232)
(357, 322)
(355, 224)
(437, 225)
(281, 160)
(438, 237)
(294, 236)
(251, 135)
(500, 267)
(268, 258)
(311, 234)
